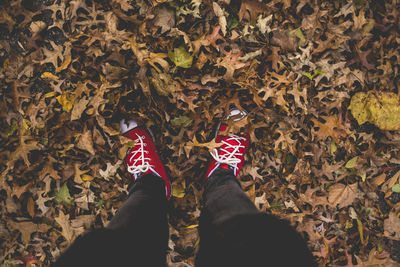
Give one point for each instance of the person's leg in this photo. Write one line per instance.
(232, 230)
(136, 236)
(234, 233)
(146, 203)
(138, 233)
(224, 198)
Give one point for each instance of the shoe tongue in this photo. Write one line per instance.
(226, 166)
(223, 127)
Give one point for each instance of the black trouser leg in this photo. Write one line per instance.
(234, 233)
(136, 236)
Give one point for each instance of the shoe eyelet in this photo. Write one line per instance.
(143, 137)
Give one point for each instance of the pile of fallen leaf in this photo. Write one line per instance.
(320, 80)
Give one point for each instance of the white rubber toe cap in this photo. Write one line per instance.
(236, 112)
(126, 126)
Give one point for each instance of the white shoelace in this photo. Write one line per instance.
(229, 157)
(141, 164)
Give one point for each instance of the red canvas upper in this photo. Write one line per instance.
(230, 155)
(143, 156)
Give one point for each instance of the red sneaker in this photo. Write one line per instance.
(230, 155)
(143, 157)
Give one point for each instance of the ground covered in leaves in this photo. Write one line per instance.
(70, 70)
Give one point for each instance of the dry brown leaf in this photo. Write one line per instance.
(30, 207)
(27, 228)
(331, 128)
(67, 230)
(342, 195)
(209, 145)
(65, 64)
(111, 170)
(86, 142)
(78, 108)
(392, 226)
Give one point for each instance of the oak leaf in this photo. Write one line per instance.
(27, 228)
(63, 196)
(219, 12)
(331, 128)
(67, 230)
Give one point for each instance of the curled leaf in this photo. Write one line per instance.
(379, 108)
(66, 100)
(65, 64)
(49, 75)
(87, 177)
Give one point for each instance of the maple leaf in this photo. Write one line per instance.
(343, 195)
(29, 260)
(63, 196)
(181, 57)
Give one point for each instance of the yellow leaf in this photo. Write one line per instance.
(364, 177)
(192, 226)
(65, 64)
(87, 177)
(66, 100)
(49, 75)
(6, 62)
(25, 124)
(379, 108)
(197, 243)
(178, 191)
(50, 94)
(351, 163)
